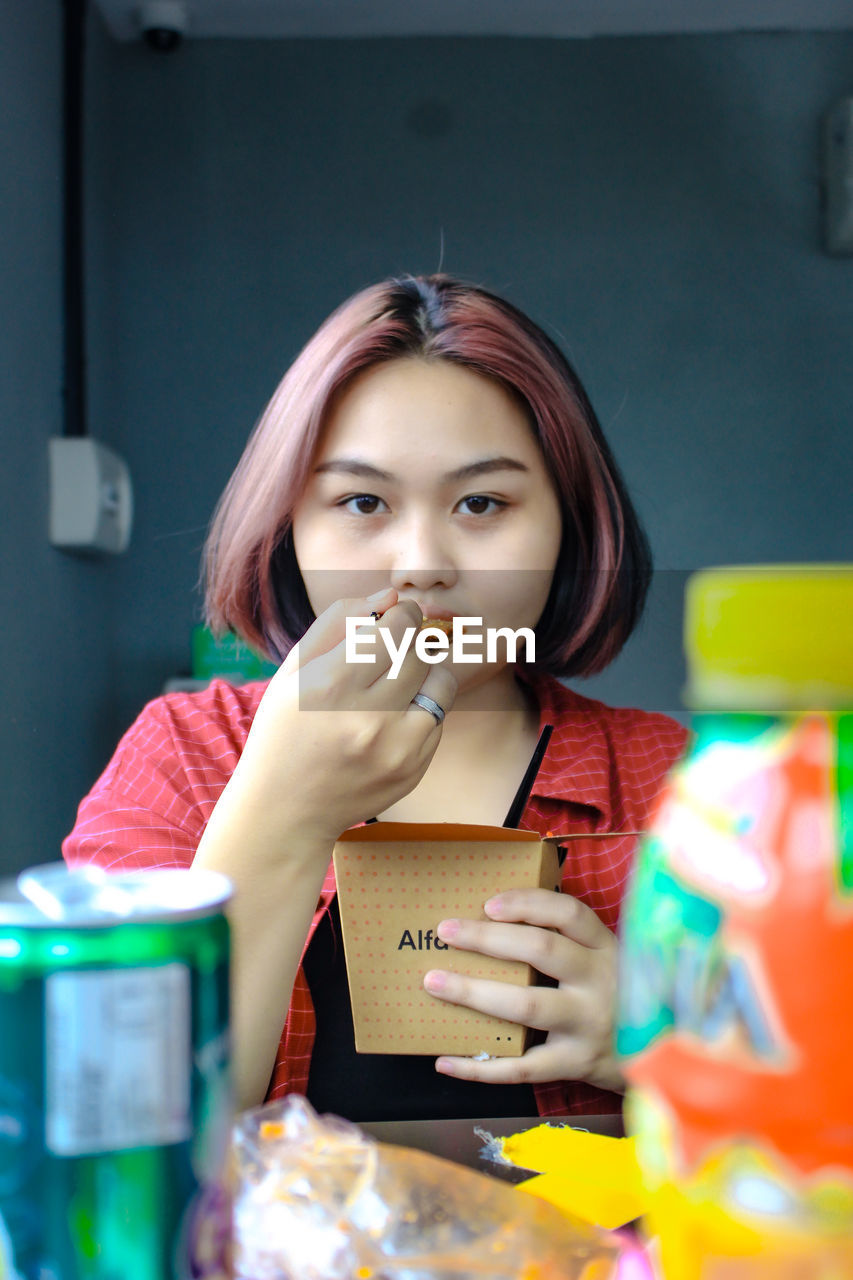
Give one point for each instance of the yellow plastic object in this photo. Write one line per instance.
(763, 636)
(586, 1174)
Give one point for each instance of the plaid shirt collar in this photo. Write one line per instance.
(574, 768)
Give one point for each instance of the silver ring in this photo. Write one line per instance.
(421, 700)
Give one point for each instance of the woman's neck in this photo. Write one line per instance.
(498, 706)
(486, 743)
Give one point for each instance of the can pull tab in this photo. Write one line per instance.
(57, 892)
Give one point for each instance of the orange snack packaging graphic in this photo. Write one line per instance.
(736, 989)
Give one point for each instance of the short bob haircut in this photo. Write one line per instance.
(603, 570)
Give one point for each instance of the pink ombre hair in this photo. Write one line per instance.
(253, 582)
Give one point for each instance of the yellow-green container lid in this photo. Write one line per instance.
(770, 637)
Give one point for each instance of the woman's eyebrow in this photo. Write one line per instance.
(487, 465)
(352, 467)
(367, 471)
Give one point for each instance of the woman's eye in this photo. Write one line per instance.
(479, 505)
(363, 504)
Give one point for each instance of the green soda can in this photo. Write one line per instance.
(115, 1100)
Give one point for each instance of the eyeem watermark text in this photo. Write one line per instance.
(433, 644)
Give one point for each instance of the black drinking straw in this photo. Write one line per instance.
(516, 809)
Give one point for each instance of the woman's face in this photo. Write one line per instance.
(429, 480)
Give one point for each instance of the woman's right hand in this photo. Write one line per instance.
(332, 742)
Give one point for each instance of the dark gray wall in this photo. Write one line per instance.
(55, 642)
(653, 202)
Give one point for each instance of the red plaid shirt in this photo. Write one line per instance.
(603, 771)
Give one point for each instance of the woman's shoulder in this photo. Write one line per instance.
(219, 707)
(622, 745)
(151, 803)
(197, 732)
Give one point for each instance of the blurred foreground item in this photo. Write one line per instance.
(736, 1020)
(316, 1199)
(115, 1105)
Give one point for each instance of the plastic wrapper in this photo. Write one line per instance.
(317, 1199)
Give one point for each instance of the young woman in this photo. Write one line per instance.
(430, 454)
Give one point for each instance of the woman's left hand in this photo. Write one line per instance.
(563, 939)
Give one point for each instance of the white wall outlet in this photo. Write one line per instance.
(91, 496)
(837, 177)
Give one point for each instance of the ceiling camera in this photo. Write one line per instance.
(162, 23)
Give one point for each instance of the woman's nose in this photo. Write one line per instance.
(422, 557)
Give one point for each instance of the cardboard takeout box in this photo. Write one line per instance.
(396, 881)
